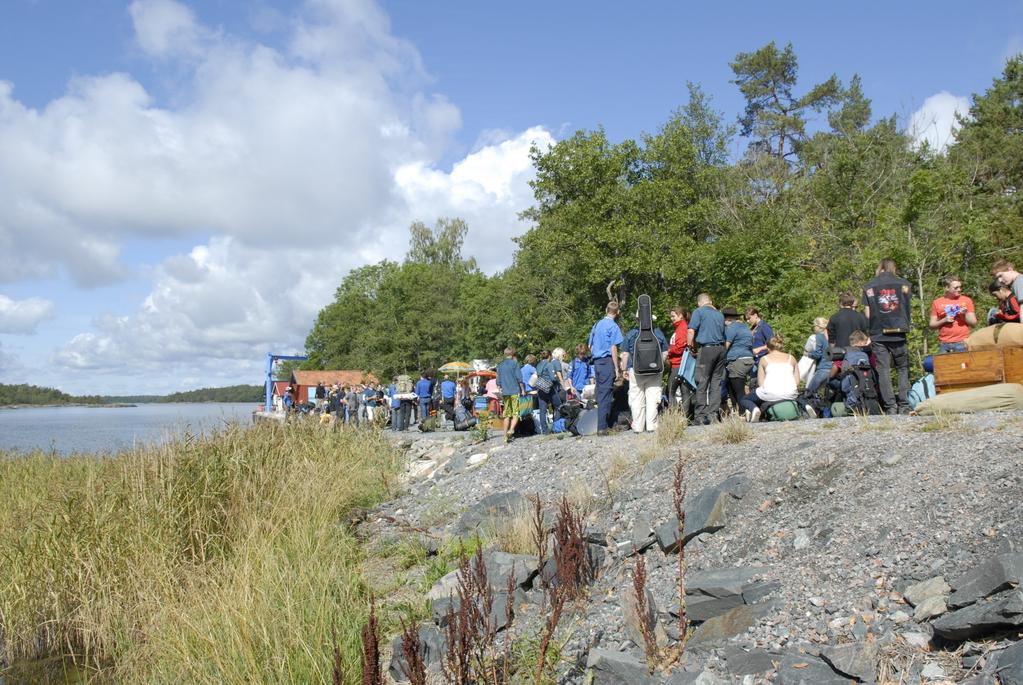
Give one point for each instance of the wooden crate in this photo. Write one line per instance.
(964, 370)
(1013, 364)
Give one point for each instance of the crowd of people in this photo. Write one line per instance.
(718, 363)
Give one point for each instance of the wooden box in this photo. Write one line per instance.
(964, 370)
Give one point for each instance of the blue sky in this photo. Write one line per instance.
(184, 184)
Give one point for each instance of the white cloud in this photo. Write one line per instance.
(301, 163)
(9, 364)
(22, 316)
(935, 121)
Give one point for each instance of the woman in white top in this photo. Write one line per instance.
(777, 380)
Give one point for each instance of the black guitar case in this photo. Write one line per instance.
(647, 353)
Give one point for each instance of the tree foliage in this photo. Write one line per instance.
(804, 215)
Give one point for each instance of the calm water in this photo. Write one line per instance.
(103, 429)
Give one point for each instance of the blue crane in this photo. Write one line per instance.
(270, 359)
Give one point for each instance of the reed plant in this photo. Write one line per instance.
(218, 559)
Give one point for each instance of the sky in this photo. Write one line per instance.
(184, 184)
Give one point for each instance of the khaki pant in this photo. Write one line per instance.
(644, 399)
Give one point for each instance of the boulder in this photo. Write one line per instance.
(501, 564)
(855, 660)
(606, 667)
(934, 587)
(995, 575)
(642, 536)
(1000, 612)
(431, 642)
(500, 610)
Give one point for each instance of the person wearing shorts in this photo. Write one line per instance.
(509, 379)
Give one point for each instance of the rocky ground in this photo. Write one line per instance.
(884, 550)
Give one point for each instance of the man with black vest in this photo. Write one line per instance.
(707, 332)
(886, 302)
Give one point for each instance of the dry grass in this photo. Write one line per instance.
(943, 422)
(514, 533)
(582, 496)
(207, 560)
(732, 431)
(671, 426)
(873, 423)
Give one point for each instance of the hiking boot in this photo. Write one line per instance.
(811, 412)
(754, 415)
(748, 415)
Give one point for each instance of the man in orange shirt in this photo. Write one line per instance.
(953, 316)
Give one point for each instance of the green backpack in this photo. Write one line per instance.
(787, 410)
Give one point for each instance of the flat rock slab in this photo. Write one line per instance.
(502, 564)
(856, 659)
(1003, 611)
(705, 513)
(995, 575)
(805, 669)
(731, 623)
(606, 667)
(1010, 665)
(753, 662)
(713, 592)
(492, 507)
(929, 608)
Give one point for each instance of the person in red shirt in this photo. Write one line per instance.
(676, 346)
(953, 316)
(1007, 310)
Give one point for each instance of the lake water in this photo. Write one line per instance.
(105, 429)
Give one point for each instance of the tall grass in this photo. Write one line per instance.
(208, 560)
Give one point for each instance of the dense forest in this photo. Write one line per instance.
(35, 395)
(824, 190)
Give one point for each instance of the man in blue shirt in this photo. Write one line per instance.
(738, 357)
(707, 334)
(509, 379)
(605, 337)
(447, 397)
(424, 393)
(644, 389)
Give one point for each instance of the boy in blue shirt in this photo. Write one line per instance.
(738, 355)
(424, 392)
(447, 397)
(707, 332)
(509, 380)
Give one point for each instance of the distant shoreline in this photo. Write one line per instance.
(114, 405)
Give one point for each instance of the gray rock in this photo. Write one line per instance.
(982, 679)
(1010, 665)
(445, 587)
(703, 677)
(634, 622)
(935, 587)
(1000, 573)
(492, 507)
(431, 642)
(615, 668)
(642, 535)
(501, 564)
(805, 669)
(715, 591)
(729, 624)
(933, 671)
(802, 539)
(856, 659)
(918, 640)
(501, 610)
(737, 485)
(1000, 612)
(755, 662)
(929, 608)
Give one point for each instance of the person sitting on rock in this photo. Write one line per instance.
(777, 381)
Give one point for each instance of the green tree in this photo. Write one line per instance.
(767, 78)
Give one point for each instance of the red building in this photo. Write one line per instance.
(305, 382)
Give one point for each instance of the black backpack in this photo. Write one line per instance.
(866, 388)
(647, 357)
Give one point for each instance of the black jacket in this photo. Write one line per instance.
(887, 296)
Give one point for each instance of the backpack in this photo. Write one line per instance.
(863, 395)
(785, 410)
(647, 354)
(922, 390)
(404, 384)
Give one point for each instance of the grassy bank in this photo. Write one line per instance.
(208, 560)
